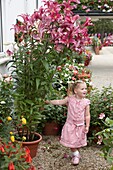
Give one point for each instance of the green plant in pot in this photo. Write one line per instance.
(54, 116)
(12, 154)
(40, 46)
(54, 119)
(96, 43)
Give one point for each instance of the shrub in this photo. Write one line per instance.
(101, 104)
(106, 137)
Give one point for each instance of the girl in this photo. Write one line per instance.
(76, 127)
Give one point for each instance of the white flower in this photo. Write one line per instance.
(87, 80)
(90, 83)
(67, 69)
(65, 75)
(104, 10)
(60, 89)
(67, 64)
(68, 82)
(81, 64)
(101, 116)
(61, 81)
(99, 6)
(3, 102)
(48, 50)
(110, 10)
(106, 5)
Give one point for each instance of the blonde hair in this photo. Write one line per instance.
(74, 85)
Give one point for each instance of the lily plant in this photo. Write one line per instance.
(43, 41)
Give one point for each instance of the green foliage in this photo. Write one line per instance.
(69, 73)
(96, 42)
(106, 136)
(6, 102)
(102, 26)
(101, 103)
(55, 113)
(13, 156)
(33, 75)
(6, 105)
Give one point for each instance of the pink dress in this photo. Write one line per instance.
(73, 132)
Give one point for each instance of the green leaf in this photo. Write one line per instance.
(45, 64)
(37, 83)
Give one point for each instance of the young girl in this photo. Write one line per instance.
(76, 127)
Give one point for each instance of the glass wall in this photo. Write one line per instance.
(9, 11)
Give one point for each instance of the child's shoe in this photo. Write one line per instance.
(76, 159)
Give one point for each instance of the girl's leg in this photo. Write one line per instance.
(75, 151)
(76, 155)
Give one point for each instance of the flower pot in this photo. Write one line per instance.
(83, 75)
(87, 62)
(33, 145)
(97, 50)
(51, 128)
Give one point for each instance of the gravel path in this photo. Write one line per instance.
(52, 155)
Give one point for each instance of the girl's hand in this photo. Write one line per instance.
(86, 129)
(47, 101)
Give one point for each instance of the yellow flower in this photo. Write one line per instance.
(11, 133)
(9, 118)
(23, 138)
(12, 138)
(23, 121)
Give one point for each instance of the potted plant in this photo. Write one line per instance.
(87, 57)
(54, 119)
(40, 46)
(13, 156)
(96, 42)
(54, 116)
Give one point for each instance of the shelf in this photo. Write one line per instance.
(93, 13)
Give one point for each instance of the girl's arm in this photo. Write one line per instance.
(87, 118)
(57, 102)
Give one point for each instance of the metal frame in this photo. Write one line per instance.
(36, 4)
(1, 29)
(93, 13)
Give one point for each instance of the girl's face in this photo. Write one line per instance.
(81, 90)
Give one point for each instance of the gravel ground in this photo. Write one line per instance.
(52, 155)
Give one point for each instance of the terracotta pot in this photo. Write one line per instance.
(87, 62)
(97, 50)
(51, 128)
(33, 145)
(83, 75)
